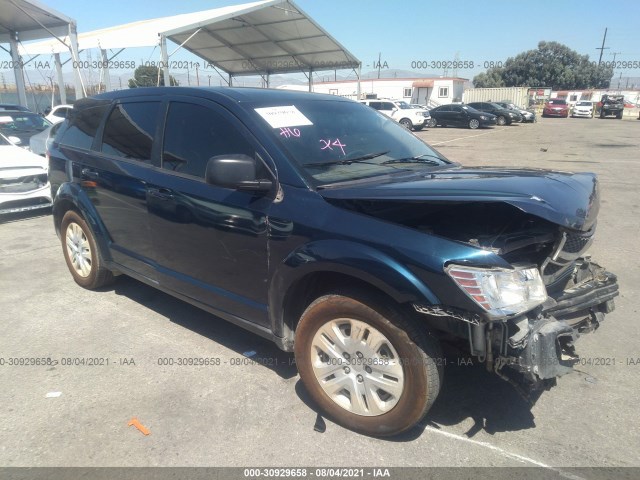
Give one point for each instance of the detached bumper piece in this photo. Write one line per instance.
(538, 348)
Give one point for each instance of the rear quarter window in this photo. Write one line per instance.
(81, 126)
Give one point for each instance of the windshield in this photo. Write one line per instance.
(336, 141)
(557, 102)
(4, 141)
(584, 104)
(403, 105)
(22, 121)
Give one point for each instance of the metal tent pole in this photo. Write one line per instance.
(18, 69)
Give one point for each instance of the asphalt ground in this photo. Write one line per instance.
(255, 412)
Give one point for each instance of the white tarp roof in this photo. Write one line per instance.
(22, 16)
(272, 36)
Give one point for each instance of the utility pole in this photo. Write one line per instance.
(614, 56)
(602, 48)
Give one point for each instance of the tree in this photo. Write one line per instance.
(147, 76)
(550, 65)
(492, 78)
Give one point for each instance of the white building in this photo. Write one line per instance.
(425, 91)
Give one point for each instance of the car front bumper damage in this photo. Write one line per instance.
(531, 351)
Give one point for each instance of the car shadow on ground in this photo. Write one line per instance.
(468, 390)
(208, 325)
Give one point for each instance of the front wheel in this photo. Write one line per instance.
(365, 366)
(418, 128)
(406, 123)
(501, 120)
(474, 123)
(82, 254)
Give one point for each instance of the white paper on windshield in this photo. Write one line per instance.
(285, 116)
(6, 119)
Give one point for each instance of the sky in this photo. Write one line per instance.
(406, 31)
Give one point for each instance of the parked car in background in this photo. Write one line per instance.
(400, 111)
(24, 183)
(404, 249)
(611, 105)
(13, 107)
(583, 108)
(457, 115)
(527, 115)
(58, 113)
(555, 107)
(40, 142)
(503, 115)
(22, 125)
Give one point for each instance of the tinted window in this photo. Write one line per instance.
(444, 108)
(388, 106)
(130, 129)
(376, 105)
(193, 134)
(456, 108)
(81, 127)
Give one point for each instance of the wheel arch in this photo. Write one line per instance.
(295, 285)
(71, 197)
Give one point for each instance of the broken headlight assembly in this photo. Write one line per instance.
(499, 291)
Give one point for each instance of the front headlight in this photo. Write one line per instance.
(482, 117)
(500, 291)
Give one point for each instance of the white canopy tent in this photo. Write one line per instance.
(259, 38)
(22, 20)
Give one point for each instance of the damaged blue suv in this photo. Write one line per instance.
(328, 228)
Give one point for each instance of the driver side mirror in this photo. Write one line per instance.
(238, 172)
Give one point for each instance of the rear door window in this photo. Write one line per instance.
(130, 130)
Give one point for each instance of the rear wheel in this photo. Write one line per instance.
(474, 123)
(432, 123)
(81, 253)
(366, 367)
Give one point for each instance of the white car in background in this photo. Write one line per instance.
(58, 113)
(400, 111)
(583, 108)
(40, 142)
(24, 180)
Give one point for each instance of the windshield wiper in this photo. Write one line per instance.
(348, 161)
(416, 159)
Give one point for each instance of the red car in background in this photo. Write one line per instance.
(555, 107)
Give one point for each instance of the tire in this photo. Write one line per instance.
(354, 397)
(82, 254)
(619, 115)
(418, 128)
(601, 114)
(406, 123)
(474, 123)
(432, 123)
(501, 120)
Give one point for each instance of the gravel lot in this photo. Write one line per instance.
(258, 414)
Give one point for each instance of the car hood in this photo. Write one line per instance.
(12, 158)
(567, 199)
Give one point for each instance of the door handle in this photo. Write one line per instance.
(160, 193)
(90, 174)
